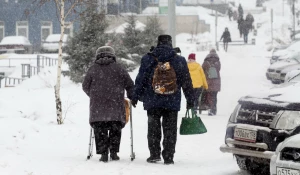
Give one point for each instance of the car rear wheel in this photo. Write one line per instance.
(275, 81)
(253, 165)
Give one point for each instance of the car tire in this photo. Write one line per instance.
(252, 166)
(275, 82)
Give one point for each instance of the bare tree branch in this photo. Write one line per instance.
(71, 8)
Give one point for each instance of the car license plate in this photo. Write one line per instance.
(245, 135)
(277, 76)
(287, 171)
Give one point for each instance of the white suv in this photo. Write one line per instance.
(286, 160)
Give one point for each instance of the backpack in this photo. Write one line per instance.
(212, 72)
(164, 79)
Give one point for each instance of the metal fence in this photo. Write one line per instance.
(9, 81)
(28, 70)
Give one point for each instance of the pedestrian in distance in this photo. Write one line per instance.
(245, 30)
(212, 67)
(240, 25)
(230, 13)
(241, 11)
(235, 15)
(158, 85)
(105, 84)
(226, 38)
(198, 78)
(250, 20)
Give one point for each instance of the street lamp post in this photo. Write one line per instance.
(140, 6)
(172, 21)
(294, 20)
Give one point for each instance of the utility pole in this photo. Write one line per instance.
(140, 6)
(282, 7)
(172, 21)
(272, 26)
(216, 31)
(294, 20)
(211, 5)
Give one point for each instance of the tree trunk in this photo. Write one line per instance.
(57, 86)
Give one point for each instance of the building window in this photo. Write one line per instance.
(69, 28)
(22, 28)
(46, 29)
(2, 30)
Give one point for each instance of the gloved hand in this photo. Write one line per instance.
(189, 105)
(134, 103)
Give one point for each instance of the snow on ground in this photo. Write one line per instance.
(33, 144)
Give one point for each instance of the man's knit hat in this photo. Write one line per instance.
(164, 40)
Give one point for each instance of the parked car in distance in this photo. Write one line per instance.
(15, 44)
(284, 72)
(284, 52)
(274, 71)
(51, 44)
(286, 160)
(292, 76)
(259, 123)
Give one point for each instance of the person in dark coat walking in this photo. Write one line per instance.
(241, 11)
(162, 106)
(226, 38)
(212, 65)
(235, 15)
(240, 22)
(245, 30)
(105, 83)
(230, 13)
(250, 20)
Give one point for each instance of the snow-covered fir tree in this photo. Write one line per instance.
(82, 47)
(152, 31)
(133, 39)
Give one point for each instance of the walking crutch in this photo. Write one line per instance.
(132, 155)
(90, 152)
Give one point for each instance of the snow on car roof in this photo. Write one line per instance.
(56, 38)
(295, 46)
(14, 40)
(278, 96)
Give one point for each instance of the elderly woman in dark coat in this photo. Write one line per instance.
(105, 83)
(212, 67)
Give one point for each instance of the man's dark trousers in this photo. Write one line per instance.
(169, 125)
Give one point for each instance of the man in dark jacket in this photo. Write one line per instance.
(105, 83)
(158, 105)
(211, 62)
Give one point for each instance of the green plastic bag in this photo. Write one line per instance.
(192, 125)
